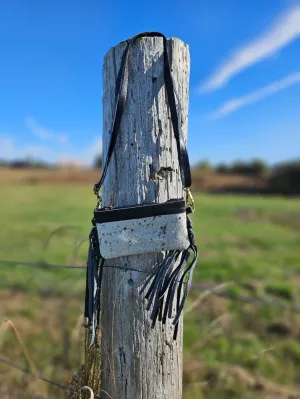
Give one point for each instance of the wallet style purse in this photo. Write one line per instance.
(145, 228)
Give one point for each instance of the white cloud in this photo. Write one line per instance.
(93, 149)
(44, 133)
(282, 32)
(9, 150)
(236, 103)
(85, 155)
(57, 150)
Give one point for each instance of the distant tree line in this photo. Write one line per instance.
(31, 163)
(256, 167)
(283, 178)
(26, 163)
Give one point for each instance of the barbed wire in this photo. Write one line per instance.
(58, 266)
(46, 265)
(76, 246)
(195, 287)
(41, 265)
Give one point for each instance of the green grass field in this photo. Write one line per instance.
(250, 246)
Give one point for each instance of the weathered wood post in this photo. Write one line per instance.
(137, 361)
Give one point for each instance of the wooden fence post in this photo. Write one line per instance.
(138, 361)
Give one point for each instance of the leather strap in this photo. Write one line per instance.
(121, 90)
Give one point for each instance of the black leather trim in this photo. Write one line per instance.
(139, 211)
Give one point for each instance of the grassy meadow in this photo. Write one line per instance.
(249, 247)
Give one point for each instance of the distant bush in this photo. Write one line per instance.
(204, 166)
(28, 163)
(255, 168)
(98, 162)
(239, 168)
(286, 178)
(20, 163)
(222, 168)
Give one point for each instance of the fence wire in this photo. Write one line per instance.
(215, 290)
(39, 377)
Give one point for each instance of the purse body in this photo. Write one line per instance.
(142, 229)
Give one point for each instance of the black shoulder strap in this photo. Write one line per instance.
(121, 90)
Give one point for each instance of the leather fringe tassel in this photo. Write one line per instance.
(171, 281)
(94, 274)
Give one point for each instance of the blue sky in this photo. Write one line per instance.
(244, 85)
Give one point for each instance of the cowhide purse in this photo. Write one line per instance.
(145, 228)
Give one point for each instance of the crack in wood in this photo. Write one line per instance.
(163, 172)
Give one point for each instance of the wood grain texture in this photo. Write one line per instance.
(139, 362)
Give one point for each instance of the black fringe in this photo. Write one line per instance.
(169, 277)
(94, 274)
